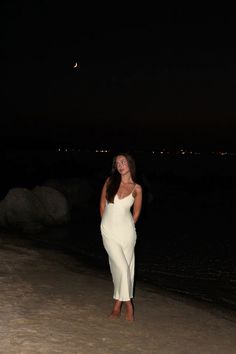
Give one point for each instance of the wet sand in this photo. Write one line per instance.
(51, 303)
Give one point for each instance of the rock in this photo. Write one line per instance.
(77, 191)
(32, 211)
(54, 203)
(2, 213)
(22, 211)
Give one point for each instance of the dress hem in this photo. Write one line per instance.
(123, 299)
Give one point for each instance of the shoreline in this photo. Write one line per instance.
(101, 268)
(50, 303)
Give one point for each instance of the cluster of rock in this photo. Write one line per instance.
(32, 211)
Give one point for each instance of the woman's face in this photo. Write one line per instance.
(122, 165)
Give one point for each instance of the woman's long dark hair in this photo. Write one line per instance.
(115, 177)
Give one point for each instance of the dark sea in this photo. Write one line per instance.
(187, 228)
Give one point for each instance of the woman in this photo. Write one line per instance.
(119, 194)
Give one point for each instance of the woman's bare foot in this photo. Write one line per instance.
(114, 315)
(116, 310)
(129, 314)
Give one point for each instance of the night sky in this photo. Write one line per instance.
(169, 83)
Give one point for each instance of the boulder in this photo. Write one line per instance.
(32, 211)
(54, 204)
(77, 191)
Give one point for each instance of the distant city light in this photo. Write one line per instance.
(164, 152)
(102, 151)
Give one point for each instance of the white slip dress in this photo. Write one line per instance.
(119, 238)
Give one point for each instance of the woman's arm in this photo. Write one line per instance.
(103, 198)
(137, 202)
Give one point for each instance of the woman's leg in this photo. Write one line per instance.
(129, 313)
(130, 257)
(115, 313)
(121, 265)
(121, 260)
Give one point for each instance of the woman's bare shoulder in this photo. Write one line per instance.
(107, 180)
(138, 188)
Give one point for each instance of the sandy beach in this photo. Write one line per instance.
(51, 303)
